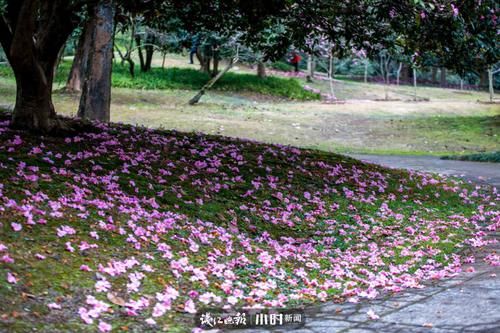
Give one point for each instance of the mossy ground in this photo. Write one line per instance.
(59, 279)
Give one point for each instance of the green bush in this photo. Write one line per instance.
(282, 66)
(479, 157)
(191, 79)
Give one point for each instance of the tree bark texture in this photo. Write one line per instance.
(77, 73)
(32, 33)
(96, 93)
(261, 70)
(442, 80)
(434, 75)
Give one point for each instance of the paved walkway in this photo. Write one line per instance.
(469, 302)
(474, 171)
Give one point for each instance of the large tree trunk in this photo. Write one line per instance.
(96, 93)
(261, 70)
(34, 109)
(77, 73)
(32, 33)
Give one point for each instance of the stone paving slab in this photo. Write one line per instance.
(481, 172)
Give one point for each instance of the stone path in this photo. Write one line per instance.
(474, 171)
(469, 302)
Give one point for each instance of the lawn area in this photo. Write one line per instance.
(137, 227)
(452, 122)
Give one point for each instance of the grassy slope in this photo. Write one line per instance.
(332, 214)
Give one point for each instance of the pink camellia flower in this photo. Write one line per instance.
(84, 314)
(232, 300)
(102, 286)
(189, 306)
(69, 247)
(150, 321)
(11, 278)
(54, 306)
(160, 309)
(3, 248)
(16, 226)
(104, 327)
(40, 256)
(85, 268)
(17, 141)
(6, 259)
(65, 230)
(372, 315)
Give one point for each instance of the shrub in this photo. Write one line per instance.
(479, 157)
(282, 66)
(186, 78)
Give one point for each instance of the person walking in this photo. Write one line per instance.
(194, 48)
(295, 60)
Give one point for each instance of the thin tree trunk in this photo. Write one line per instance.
(405, 73)
(331, 71)
(483, 79)
(149, 52)
(366, 71)
(434, 75)
(215, 55)
(164, 58)
(385, 65)
(261, 70)
(210, 83)
(461, 84)
(310, 68)
(77, 73)
(398, 73)
(443, 77)
(142, 63)
(96, 93)
(415, 84)
(490, 84)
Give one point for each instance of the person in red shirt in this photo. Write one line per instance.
(295, 60)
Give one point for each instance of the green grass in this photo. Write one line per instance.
(480, 157)
(282, 66)
(190, 79)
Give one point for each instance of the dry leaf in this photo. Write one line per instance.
(116, 299)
